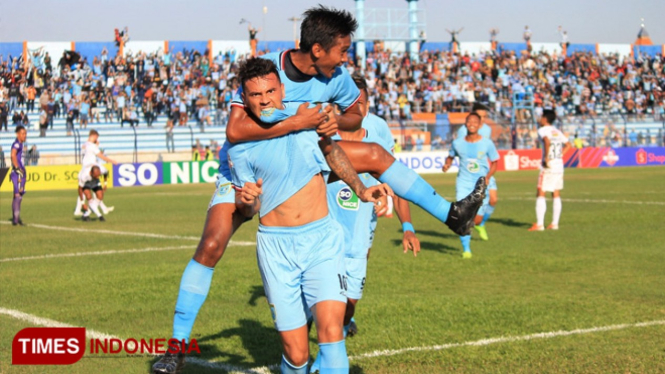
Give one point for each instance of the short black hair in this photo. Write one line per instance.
(478, 106)
(473, 114)
(324, 25)
(19, 128)
(360, 82)
(256, 67)
(549, 115)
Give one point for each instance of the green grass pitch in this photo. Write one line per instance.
(604, 267)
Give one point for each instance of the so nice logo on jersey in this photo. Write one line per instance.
(67, 345)
(347, 199)
(473, 166)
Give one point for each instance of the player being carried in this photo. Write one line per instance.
(300, 248)
(473, 151)
(554, 145)
(88, 184)
(359, 219)
(488, 206)
(91, 153)
(18, 174)
(311, 74)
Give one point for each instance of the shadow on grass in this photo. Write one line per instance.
(435, 247)
(257, 293)
(509, 222)
(445, 233)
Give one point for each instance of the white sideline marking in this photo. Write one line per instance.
(95, 253)
(597, 201)
(92, 334)
(126, 233)
(507, 339)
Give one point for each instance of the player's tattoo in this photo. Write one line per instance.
(340, 165)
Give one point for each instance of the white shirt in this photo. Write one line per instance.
(84, 178)
(557, 142)
(90, 152)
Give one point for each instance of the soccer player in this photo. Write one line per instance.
(554, 145)
(311, 74)
(300, 248)
(486, 132)
(91, 152)
(359, 219)
(18, 174)
(314, 73)
(88, 184)
(473, 151)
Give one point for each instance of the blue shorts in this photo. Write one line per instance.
(224, 192)
(356, 273)
(301, 266)
(492, 184)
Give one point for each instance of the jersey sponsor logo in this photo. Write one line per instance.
(224, 189)
(473, 166)
(611, 157)
(347, 199)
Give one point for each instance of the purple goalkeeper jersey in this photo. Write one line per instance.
(18, 146)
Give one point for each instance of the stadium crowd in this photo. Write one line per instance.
(184, 85)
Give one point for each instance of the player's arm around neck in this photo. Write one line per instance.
(339, 163)
(351, 119)
(242, 127)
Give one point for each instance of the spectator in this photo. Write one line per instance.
(31, 94)
(2, 159)
(32, 156)
(209, 155)
(170, 145)
(43, 123)
(4, 114)
(196, 155)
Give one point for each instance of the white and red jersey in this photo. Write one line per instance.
(557, 142)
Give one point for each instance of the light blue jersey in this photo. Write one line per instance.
(472, 162)
(224, 193)
(357, 218)
(286, 164)
(339, 89)
(485, 131)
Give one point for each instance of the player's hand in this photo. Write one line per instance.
(329, 125)
(411, 242)
(372, 194)
(20, 173)
(381, 206)
(545, 163)
(251, 192)
(309, 118)
(445, 168)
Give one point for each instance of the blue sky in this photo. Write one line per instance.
(587, 21)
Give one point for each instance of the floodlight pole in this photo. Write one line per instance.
(414, 44)
(360, 34)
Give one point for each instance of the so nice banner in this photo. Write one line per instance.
(64, 177)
